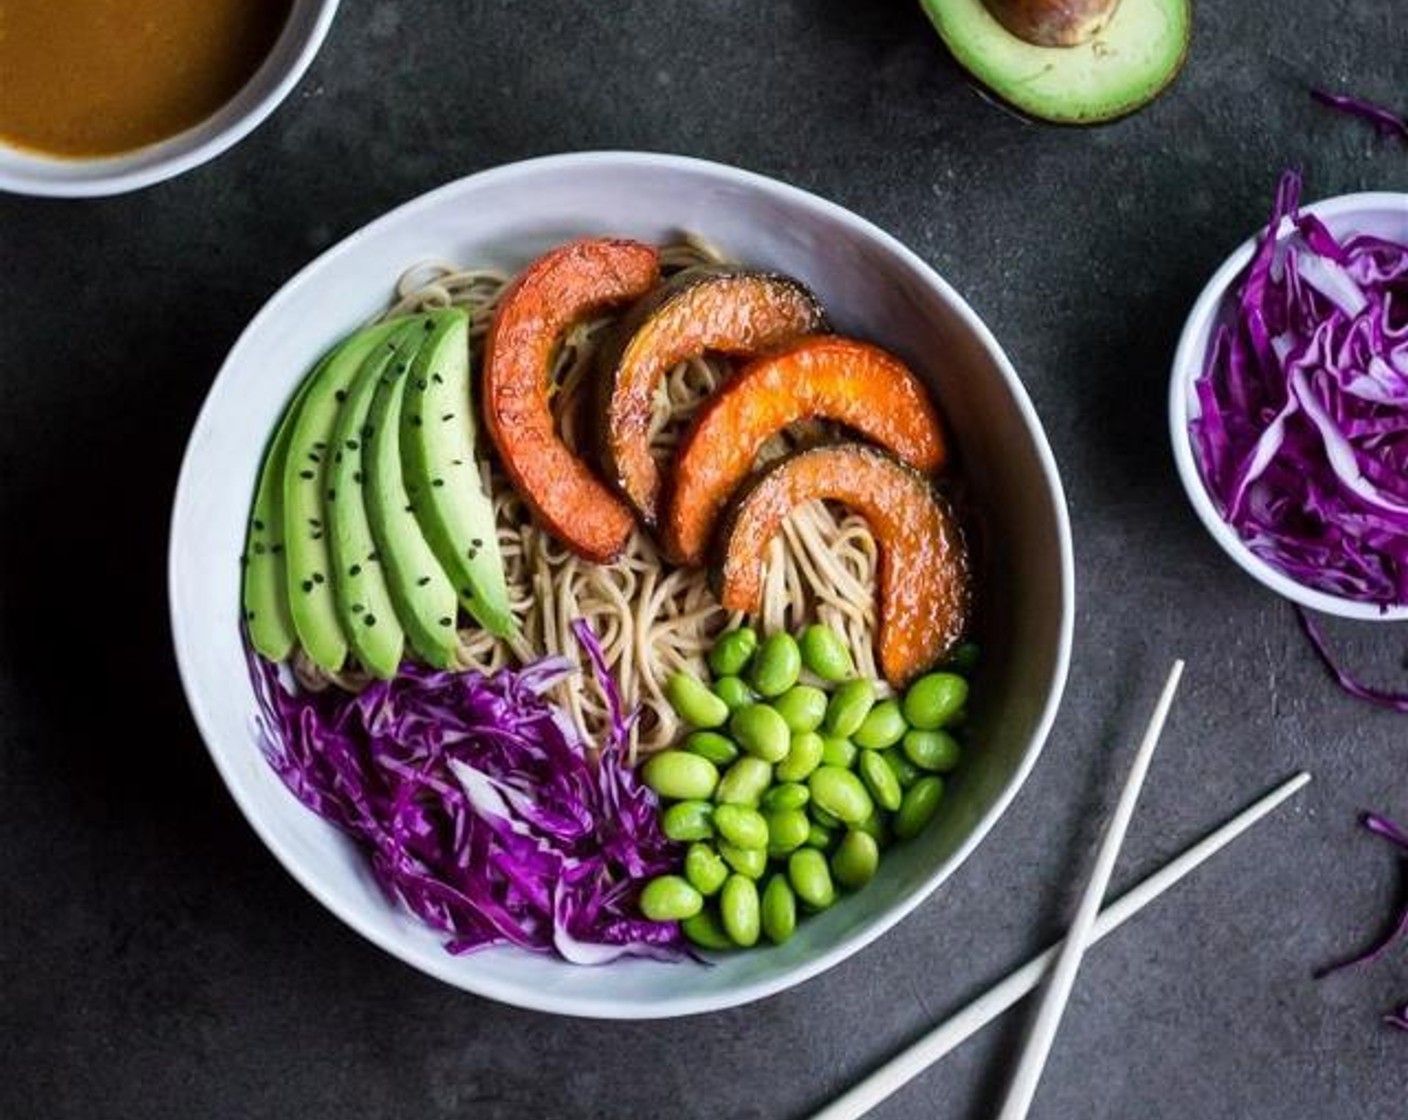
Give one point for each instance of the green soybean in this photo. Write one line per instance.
(932, 750)
(696, 705)
(741, 826)
(680, 775)
(746, 861)
(688, 820)
(819, 837)
(811, 878)
(788, 830)
(921, 802)
(880, 780)
(739, 910)
(802, 707)
(822, 817)
(704, 868)
(965, 657)
(732, 651)
(883, 726)
(824, 653)
(855, 860)
(934, 699)
(849, 706)
(779, 910)
(669, 898)
(905, 771)
(706, 931)
(840, 793)
(744, 783)
(803, 756)
(788, 795)
(777, 665)
(836, 751)
(734, 692)
(718, 749)
(877, 827)
(761, 732)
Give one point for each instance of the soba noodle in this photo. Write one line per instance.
(651, 617)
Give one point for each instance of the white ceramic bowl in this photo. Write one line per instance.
(26, 172)
(871, 285)
(1384, 214)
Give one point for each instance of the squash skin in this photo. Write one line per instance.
(925, 584)
(569, 283)
(721, 309)
(823, 377)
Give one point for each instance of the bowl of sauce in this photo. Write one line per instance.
(98, 97)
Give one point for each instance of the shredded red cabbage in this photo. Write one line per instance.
(1386, 121)
(1303, 433)
(1396, 701)
(481, 806)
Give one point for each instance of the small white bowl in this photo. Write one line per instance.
(1384, 214)
(872, 286)
(25, 172)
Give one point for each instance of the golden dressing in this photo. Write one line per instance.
(98, 77)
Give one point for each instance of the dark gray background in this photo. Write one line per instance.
(155, 961)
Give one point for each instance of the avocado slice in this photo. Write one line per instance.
(423, 595)
(311, 600)
(1124, 65)
(364, 605)
(442, 474)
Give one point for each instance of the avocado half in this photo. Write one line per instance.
(1122, 67)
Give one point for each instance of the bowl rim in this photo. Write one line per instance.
(188, 149)
(1187, 366)
(487, 985)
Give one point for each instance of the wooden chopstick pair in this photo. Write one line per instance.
(1090, 925)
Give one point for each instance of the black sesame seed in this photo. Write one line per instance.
(422, 581)
(437, 482)
(337, 458)
(357, 477)
(369, 619)
(305, 474)
(415, 421)
(332, 495)
(430, 324)
(355, 570)
(258, 525)
(317, 536)
(447, 621)
(357, 608)
(249, 616)
(307, 585)
(410, 507)
(447, 417)
(421, 383)
(318, 577)
(352, 445)
(472, 553)
(276, 549)
(435, 377)
(340, 395)
(457, 462)
(320, 445)
(373, 558)
(315, 457)
(313, 521)
(258, 549)
(467, 592)
(477, 542)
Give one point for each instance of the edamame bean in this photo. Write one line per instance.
(788, 795)
(877, 827)
(803, 756)
(921, 802)
(819, 837)
(934, 699)
(905, 771)
(694, 703)
(855, 860)
(777, 665)
(680, 775)
(704, 868)
(788, 830)
(718, 749)
(741, 826)
(734, 692)
(705, 930)
(801, 707)
(849, 706)
(732, 651)
(932, 750)
(746, 861)
(744, 783)
(688, 820)
(836, 751)
(669, 898)
(761, 732)
(824, 653)
(738, 907)
(811, 878)
(822, 817)
(880, 780)
(779, 910)
(840, 793)
(965, 657)
(882, 727)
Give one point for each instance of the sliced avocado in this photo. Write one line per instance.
(1121, 67)
(423, 595)
(442, 475)
(311, 600)
(364, 605)
(265, 587)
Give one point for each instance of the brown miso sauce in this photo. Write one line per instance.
(84, 78)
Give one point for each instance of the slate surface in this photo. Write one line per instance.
(154, 960)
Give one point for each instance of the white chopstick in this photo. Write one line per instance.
(949, 1035)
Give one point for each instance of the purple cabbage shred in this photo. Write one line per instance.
(480, 805)
(1384, 120)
